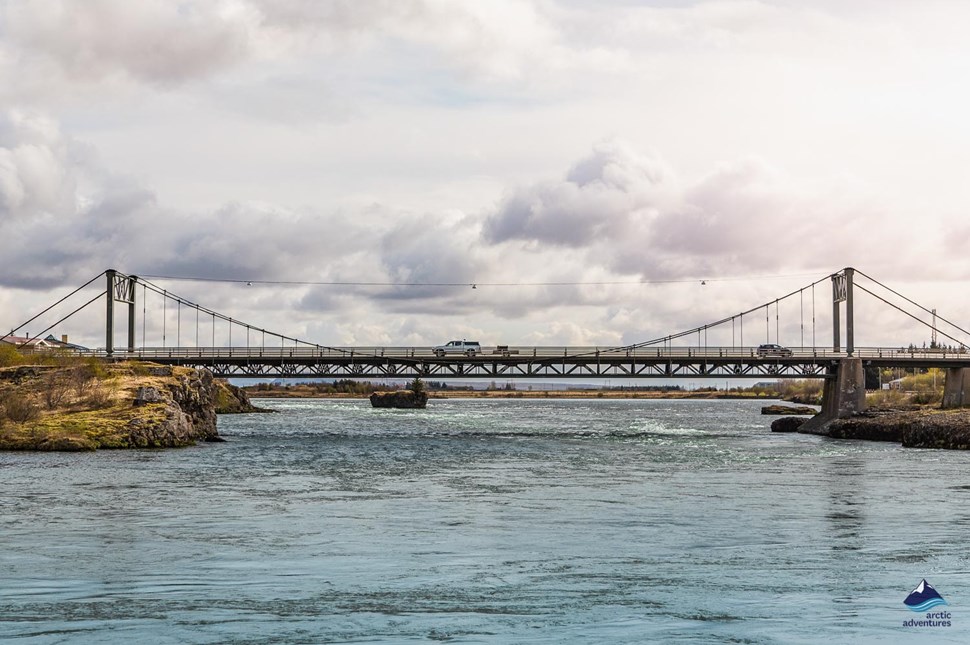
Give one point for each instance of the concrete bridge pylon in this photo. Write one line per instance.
(956, 389)
(120, 288)
(842, 395)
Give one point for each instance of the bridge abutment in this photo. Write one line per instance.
(956, 389)
(842, 396)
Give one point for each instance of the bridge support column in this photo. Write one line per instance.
(842, 396)
(121, 288)
(109, 342)
(956, 389)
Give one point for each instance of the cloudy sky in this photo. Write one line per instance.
(629, 149)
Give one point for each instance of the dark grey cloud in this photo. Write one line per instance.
(629, 215)
(62, 217)
(244, 241)
(442, 258)
(603, 196)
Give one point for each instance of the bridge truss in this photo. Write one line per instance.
(525, 363)
(534, 363)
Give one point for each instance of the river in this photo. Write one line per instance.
(486, 521)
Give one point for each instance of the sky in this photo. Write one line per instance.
(625, 151)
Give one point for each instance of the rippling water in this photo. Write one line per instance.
(497, 521)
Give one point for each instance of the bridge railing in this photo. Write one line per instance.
(503, 352)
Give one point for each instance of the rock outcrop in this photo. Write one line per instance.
(99, 405)
(184, 411)
(789, 409)
(399, 399)
(234, 400)
(19, 374)
(949, 429)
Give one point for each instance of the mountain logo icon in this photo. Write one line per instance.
(924, 597)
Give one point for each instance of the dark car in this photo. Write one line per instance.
(771, 349)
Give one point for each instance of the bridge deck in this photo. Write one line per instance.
(528, 362)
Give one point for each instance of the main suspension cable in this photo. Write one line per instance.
(694, 330)
(913, 302)
(216, 315)
(71, 314)
(898, 308)
(22, 325)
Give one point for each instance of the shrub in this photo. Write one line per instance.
(931, 381)
(928, 397)
(9, 355)
(803, 391)
(55, 390)
(82, 378)
(887, 399)
(18, 408)
(99, 397)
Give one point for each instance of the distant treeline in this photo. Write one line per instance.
(646, 388)
(343, 386)
(348, 386)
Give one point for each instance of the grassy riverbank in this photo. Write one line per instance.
(87, 405)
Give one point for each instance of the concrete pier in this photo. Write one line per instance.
(842, 396)
(956, 390)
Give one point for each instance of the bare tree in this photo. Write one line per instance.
(55, 390)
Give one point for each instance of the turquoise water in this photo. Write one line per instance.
(486, 521)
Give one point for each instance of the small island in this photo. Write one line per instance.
(414, 397)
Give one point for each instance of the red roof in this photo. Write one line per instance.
(23, 340)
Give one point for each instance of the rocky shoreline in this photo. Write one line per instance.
(91, 406)
(922, 428)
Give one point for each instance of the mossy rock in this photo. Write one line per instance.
(407, 399)
(789, 409)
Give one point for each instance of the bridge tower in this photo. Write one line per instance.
(844, 392)
(121, 288)
(842, 292)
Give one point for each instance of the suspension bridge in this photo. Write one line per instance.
(231, 348)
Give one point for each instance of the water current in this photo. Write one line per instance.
(486, 521)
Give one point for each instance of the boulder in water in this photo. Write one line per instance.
(787, 424)
(399, 399)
